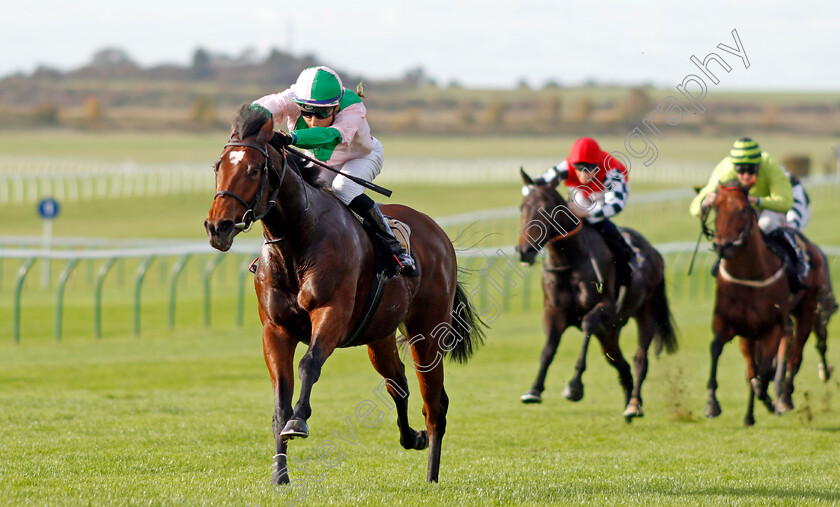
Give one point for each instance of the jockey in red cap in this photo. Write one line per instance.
(598, 190)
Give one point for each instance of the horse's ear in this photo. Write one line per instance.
(525, 178)
(267, 129)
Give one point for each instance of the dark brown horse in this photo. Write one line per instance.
(754, 301)
(314, 274)
(579, 286)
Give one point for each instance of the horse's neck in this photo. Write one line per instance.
(752, 259)
(567, 252)
(293, 211)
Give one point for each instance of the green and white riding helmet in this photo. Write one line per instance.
(317, 87)
(745, 151)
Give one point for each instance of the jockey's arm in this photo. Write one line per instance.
(315, 137)
(559, 171)
(723, 167)
(615, 196)
(348, 122)
(780, 197)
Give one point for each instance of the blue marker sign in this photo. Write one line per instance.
(48, 208)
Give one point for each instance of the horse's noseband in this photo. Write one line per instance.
(249, 217)
(720, 248)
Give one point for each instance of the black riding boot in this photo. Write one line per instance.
(366, 208)
(797, 269)
(625, 257)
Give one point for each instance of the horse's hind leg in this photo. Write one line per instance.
(647, 329)
(427, 349)
(822, 347)
(612, 352)
(385, 359)
(805, 321)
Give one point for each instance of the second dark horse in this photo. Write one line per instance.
(577, 263)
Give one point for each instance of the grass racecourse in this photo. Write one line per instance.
(183, 416)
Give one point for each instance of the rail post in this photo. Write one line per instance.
(59, 305)
(208, 275)
(173, 287)
(141, 273)
(24, 269)
(97, 298)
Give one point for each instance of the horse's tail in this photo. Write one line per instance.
(666, 329)
(467, 327)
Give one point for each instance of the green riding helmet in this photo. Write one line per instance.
(317, 87)
(745, 151)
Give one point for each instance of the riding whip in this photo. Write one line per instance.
(367, 184)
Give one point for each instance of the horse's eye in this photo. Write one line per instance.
(254, 170)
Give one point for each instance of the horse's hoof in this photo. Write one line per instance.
(422, 441)
(784, 404)
(573, 391)
(634, 409)
(280, 476)
(825, 373)
(712, 409)
(531, 396)
(749, 421)
(295, 428)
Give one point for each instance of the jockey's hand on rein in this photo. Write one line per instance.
(281, 139)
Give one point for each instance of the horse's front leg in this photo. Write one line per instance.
(279, 351)
(329, 325)
(723, 334)
(554, 321)
(753, 382)
(593, 319)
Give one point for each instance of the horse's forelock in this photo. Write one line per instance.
(250, 119)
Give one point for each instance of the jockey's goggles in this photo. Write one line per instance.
(746, 168)
(318, 112)
(585, 166)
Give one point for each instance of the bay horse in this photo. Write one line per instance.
(313, 277)
(753, 301)
(579, 289)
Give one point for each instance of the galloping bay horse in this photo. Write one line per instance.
(313, 278)
(579, 286)
(753, 301)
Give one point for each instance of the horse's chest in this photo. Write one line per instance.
(748, 313)
(575, 298)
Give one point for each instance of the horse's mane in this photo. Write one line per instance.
(250, 119)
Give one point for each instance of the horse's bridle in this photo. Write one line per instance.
(249, 218)
(720, 248)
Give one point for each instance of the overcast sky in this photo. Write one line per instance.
(790, 45)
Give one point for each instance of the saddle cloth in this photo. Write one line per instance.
(402, 232)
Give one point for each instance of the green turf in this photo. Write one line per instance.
(185, 417)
